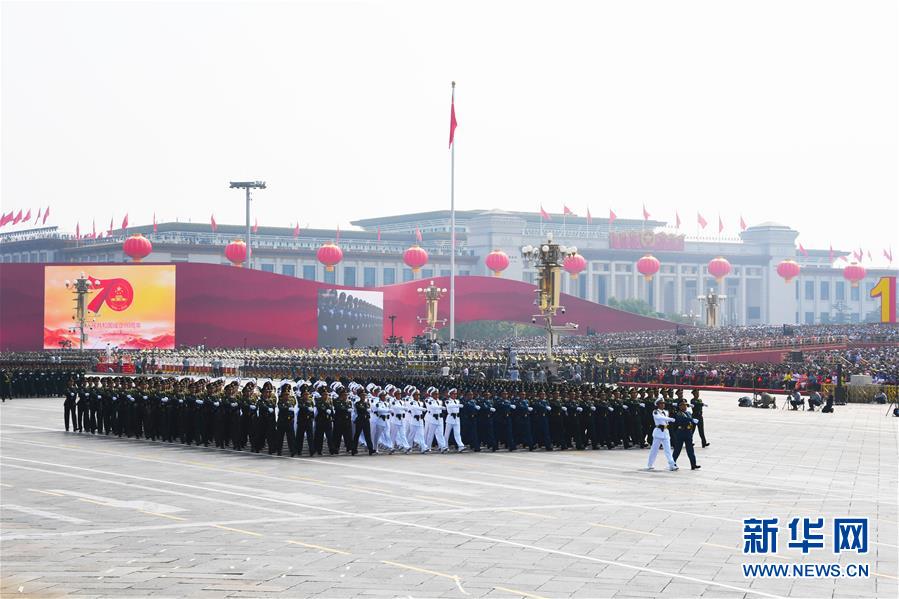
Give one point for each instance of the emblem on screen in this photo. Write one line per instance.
(115, 293)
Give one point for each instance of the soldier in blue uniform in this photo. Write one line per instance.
(684, 425)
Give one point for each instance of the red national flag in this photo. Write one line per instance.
(612, 216)
(154, 222)
(18, 218)
(453, 122)
(645, 213)
(720, 225)
(111, 226)
(94, 234)
(27, 216)
(77, 230)
(860, 255)
(338, 233)
(256, 226)
(844, 258)
(38, 216)
(702, 222)
(125, 223)
(676, 219)
(869, 255)
(830, 254)
(379, 232)
(417, 233)
(589, 218)
(566, 210)
(544, 214)
(6, 218)
(296, 230)
(802, 250)
(46, 214)
(212, 223)
(888, 254)
(742, 223)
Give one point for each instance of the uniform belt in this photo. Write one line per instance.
(417, 417)
(382, 417)
(661, 427)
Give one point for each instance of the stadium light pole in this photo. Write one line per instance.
(248, 185)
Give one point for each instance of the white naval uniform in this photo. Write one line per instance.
(433, 426)
(398, 425)
(661, 437)
(416, 426)
(380, 425)
(454, 422)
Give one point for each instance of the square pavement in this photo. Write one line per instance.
(99, 516)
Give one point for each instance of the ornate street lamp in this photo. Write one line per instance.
(80, 288)
(712, 303)
(432, 295)
(548, 258)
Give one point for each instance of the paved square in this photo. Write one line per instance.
(99, 516)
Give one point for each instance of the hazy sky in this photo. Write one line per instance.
(780, 110)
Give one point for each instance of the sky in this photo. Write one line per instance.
(777, 110)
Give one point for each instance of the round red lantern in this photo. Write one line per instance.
(236, 252)
(415, 257)
(497, 261)
(574, 265)
(137, 247)
(854, 273)
(647, 266)
(788, 269)
(330, 255)
(719, 268)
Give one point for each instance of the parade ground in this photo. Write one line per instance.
(101, 516)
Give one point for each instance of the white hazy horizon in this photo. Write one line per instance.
(776, 111)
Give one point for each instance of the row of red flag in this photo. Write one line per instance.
(700, 220)
(13, 218)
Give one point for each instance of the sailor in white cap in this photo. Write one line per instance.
(660, 436)
(433, 424)
(398, 439)
(453, 420)
(381, 424)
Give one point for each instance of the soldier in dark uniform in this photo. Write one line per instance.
(68, 406)
(522, 416)
(305, 418)
(540, 422)
(342, 422)
(6, 385)
(469, 415)
(504, 425)
(698, 407)
(286, 419)
(267, 404)
(486, 418)
(683, 433)
(324, 413)
(363, 426)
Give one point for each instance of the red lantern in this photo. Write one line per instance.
(854, 273)
(788, 269)
(574, 265)
(236, 252)
(719, 268)
(329, 254)
(415, 257)
(137, 247)
(497, 261)
(647, 266)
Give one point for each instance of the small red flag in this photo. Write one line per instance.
(379, 233)
(417, 233)
(830, 254)
(612, 216)
(676, 219)
(77, 230)
(6, 218)
(453, 122)
(338, 233)
(27, 216)
(742, 223)
(212, 223)
(18, 217)
(589, 218)
(154, 222)
(111, 225)
(645, 213)
(46, 214)
(544, 214)
(94, 234)
(256, 226)
(702, 222)
(802, 250)
(566, 210)
(888, 255)
(38, 216)
(125, 223)
(720, 225)
(869, 255)
(296, 230)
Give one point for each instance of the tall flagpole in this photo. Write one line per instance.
(452, 317)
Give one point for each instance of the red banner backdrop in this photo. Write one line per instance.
(223, 306)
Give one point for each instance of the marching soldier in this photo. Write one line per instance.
(683, 433)
(661, 436)
(698, 407)
(362, 408)
(453, 421)
(343, 409)
(286, 414)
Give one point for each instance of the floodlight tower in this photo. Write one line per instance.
(548, 259)
(80, 288)
(248, 185)
(432, 294)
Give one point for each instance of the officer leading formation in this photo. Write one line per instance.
(338, 415)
